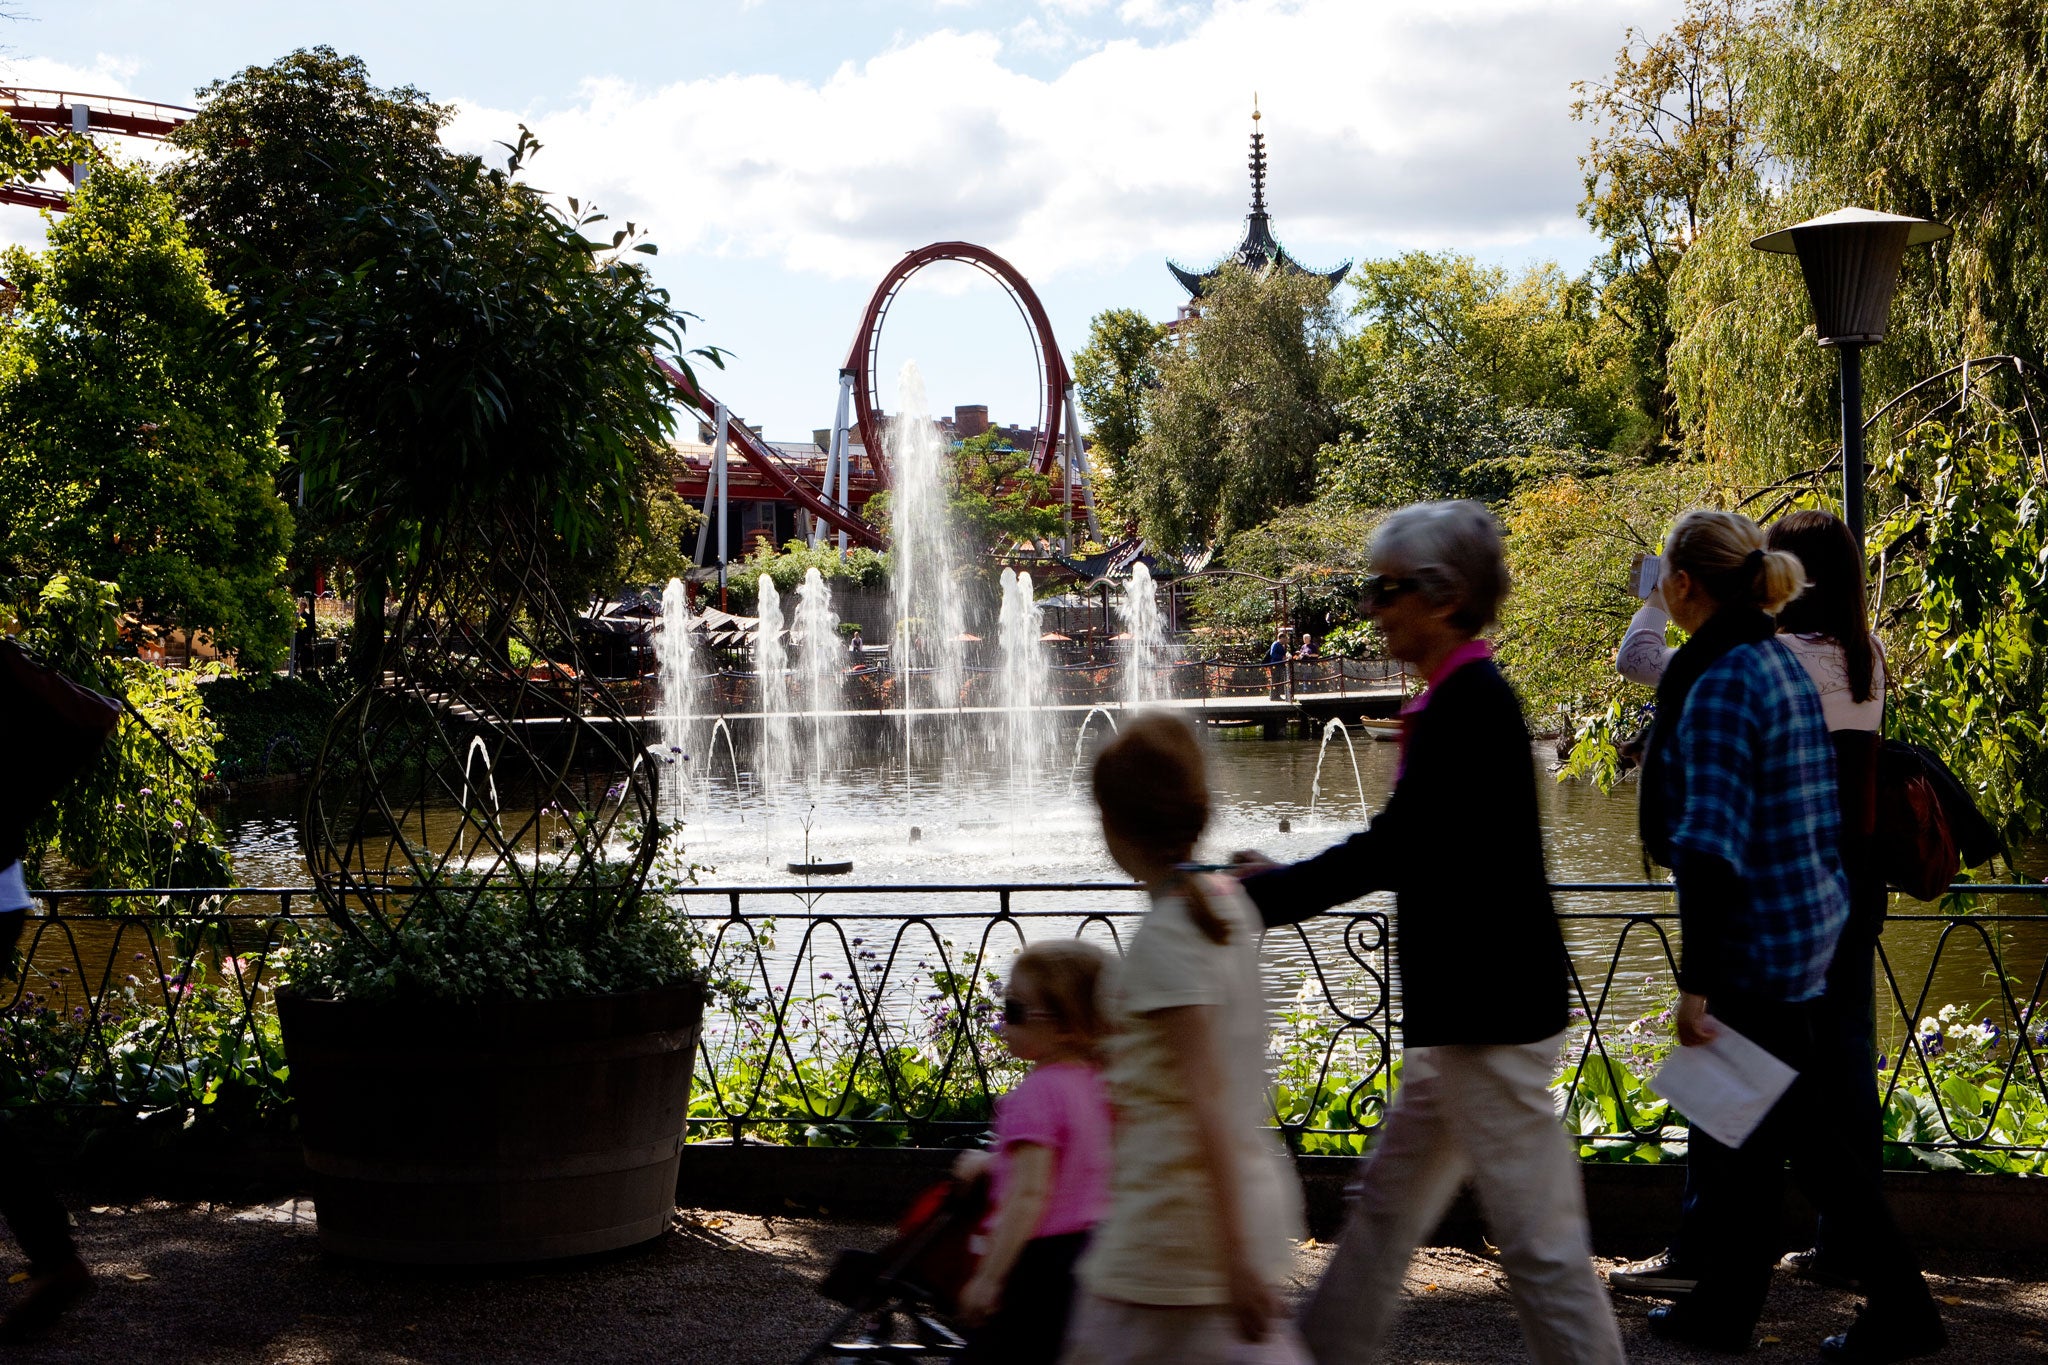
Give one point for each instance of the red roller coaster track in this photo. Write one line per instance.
(861, 359)
(41, 112)
(56, 111)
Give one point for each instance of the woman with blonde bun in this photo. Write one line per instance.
(1739, 800)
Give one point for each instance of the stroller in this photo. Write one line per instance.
(896, 1298)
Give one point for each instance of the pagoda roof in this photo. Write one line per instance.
(1260, 251)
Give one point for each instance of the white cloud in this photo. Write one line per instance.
(108, 75)
(1448, 126)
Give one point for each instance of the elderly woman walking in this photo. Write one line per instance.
(1482, 960)
(1739, 799)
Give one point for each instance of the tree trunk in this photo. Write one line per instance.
(366, 656)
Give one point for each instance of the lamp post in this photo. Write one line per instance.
(1850, 259)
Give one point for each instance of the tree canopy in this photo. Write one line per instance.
(1113, 373)
(137, 430)
(1244, 402)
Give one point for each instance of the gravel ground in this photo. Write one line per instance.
(241, 1285)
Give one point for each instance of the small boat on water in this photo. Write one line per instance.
(838, 869)
(1386, 731)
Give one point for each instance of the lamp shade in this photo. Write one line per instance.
(1850, 259)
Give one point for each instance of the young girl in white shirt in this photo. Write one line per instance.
(1187, 1265)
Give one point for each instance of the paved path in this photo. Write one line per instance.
(249, 1286)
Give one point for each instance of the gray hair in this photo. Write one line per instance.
(1454, 550)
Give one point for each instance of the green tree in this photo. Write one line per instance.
(1424, 431)
(1938, 111)
(1245, 400)
(134, 818)
(137, 431)
(1673, 140)
(1113, 372)
(1570, 541)
(1537, 341)
(1319, 548)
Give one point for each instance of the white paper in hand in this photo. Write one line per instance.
(1726, 1086)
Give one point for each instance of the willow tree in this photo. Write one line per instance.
(1937, 111)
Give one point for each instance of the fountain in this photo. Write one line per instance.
(923, 560)
(817, 634)
(771, 666)
(1022, 684)
(1315, 791)
(1145, 647)
(676, 652)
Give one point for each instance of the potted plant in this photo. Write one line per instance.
(490, 1041)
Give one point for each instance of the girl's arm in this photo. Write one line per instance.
(1191, 1034)
(1024, 1196)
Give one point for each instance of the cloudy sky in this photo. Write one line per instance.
(783, 152)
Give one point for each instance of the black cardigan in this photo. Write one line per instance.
(1481, 957)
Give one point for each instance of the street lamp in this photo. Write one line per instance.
(1851, 262)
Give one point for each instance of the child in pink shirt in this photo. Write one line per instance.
(1049, 1167)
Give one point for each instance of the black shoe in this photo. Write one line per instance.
(1873, 1341)
(1657, 1276)
(43, 1301)
(1818, 1267)
(1671, 1323)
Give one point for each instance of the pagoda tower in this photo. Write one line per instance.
(1258, 251)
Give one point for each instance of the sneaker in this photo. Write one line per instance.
(1875, 1342)
(1658, 1276)
(43, 1301)
(1670, 1322)
(1815, 1265)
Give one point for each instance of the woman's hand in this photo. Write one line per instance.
(979, 1298)
(1245, 862)
(1252, 1301)
(1695, 1025)
(971, 1165)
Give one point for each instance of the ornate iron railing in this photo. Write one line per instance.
(848, 1017)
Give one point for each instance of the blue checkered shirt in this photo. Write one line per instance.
(1753, 783)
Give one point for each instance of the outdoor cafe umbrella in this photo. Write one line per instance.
(1053, 636)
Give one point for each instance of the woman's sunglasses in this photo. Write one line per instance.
(1383, 590)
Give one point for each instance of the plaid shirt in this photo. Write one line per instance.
(1754, 784)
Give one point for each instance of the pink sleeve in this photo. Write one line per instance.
(1033, 1113)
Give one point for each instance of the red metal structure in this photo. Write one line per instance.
(42, 112)
(59, 111)
(792, 483)
(861, 359)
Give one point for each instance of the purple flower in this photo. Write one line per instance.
(147, 791)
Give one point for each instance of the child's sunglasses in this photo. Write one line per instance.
(1015, 1011)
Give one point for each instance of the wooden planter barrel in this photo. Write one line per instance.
(510, 1131)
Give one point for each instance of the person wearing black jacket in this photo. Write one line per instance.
(1482, 963)
(57, 728)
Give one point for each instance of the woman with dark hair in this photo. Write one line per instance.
(1739, 799)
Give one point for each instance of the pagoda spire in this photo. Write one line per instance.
(1259, 251)
(1257, 162)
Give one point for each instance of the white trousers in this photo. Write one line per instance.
(1483, 1115)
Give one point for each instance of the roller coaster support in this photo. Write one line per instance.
(81, 122)
(836, 461)
(1077, 465)
(718, 452)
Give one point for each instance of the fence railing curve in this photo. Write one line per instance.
(866, 1012)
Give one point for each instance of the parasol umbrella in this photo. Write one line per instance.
(964, 637)
(1053, 636)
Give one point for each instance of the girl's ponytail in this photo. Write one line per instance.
(1780, 578)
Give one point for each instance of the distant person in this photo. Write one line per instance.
(1740, 800)
(1484, 980)
(1276, 653)
(856, 645)
(1049, 1166)
(1188, 1264)
(1308, 648)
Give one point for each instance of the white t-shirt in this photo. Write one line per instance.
(1828, 665)
(1159, 1243)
